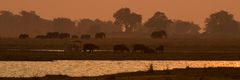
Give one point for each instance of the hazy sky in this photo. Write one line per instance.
(191, 10)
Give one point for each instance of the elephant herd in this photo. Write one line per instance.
(137, 48)
(100, 35)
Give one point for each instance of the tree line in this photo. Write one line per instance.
(126, 21)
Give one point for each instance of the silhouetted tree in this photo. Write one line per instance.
(221, 23)
(100, 35)
(30, 16)
(90, 26)
(63, 25)
(180, 27)
(109, 26)
(159, 21)
(104, 26)
(23, 36)
(94, 28)
(32, 23)
(130, 20)
(8, 22)
(159, 35)
(25, 21)
(6, 13)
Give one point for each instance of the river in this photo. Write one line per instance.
(96, 68)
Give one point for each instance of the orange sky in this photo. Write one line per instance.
(191, 10)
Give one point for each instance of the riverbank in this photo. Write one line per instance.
(175, 49)
(51, 56)
(219, 73)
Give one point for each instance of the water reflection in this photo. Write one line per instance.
(96, 68)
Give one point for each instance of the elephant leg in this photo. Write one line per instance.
(91, 51)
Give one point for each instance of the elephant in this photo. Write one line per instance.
(41, 37)
(85, 36)
(73, 46)
(160, 48)
(89, 47)
(139, 48)
(142, 48)
(23, 36)
(159, 35)
(57, 35)
(74, 37)
(121, 48)
(149, 50)
(64, 35)
(100, 35)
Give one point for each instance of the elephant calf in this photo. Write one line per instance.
(159, 35)
(142, 48)
(100, 35)
(160, 48)
(121, 48)
(89, 47)
(85, 36)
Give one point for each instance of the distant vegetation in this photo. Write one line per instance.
(221, 24)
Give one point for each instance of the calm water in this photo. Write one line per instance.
(96, 68)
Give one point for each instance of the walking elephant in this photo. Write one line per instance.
(121, 48)
(89, 47)
(100, 35)
(159, 35)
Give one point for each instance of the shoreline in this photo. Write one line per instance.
(188, 73)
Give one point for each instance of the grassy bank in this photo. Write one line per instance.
(49, 56)
(198, 44)
(175, 49)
